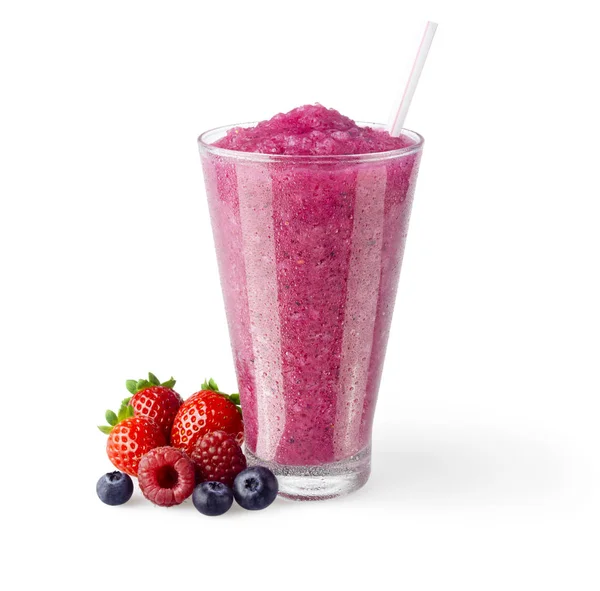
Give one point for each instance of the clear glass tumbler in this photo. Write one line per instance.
(309, 251)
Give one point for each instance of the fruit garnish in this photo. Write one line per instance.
(206, 411)
(212, 386)
(114, 488)
(130, 437)
(155, 400)
(255, 488)
(212, 498)
(125, 411)
(166, 476)
(218, 457)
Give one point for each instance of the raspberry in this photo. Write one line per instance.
(166, 476)
(218, 458)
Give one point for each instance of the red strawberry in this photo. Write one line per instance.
(130, 437)
(218, 458)
(204, 412)
(157, 401)
(166, 476)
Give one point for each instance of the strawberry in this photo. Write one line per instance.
(130, 437)
(156, 401)
(204, 412)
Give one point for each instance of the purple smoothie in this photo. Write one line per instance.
(310, 214)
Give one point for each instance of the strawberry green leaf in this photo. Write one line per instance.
(125, 401)
(153, 379)
(105, 429)
(131, 385)
(122, 413)
(111, 418)
(213, 385)
(169, 383)
(129, 411)
(142, 384)
(235, 398)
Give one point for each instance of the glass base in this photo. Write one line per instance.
(315, 483)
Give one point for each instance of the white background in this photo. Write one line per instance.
(486, 471)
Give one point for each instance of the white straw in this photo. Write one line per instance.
(397, 120)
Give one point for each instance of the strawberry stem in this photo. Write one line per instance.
(135, 386)
(211, 385)
(111, 418)
(126, 411)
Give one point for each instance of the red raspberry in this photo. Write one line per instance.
(218, 458)
(166, 476)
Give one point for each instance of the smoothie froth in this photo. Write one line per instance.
(311, 130)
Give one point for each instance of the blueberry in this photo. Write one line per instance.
(212, 498)
(255, 488)
(115, 488)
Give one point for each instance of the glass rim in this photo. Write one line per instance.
(206, 139)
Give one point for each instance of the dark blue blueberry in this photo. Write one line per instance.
(212, 498)
(255, 488)
(115, 488)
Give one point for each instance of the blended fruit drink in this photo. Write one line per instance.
(310, 214)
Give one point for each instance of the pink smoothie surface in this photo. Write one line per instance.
(309, 256)
(311, 130)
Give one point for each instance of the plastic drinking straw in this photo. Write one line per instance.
(397, 120)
